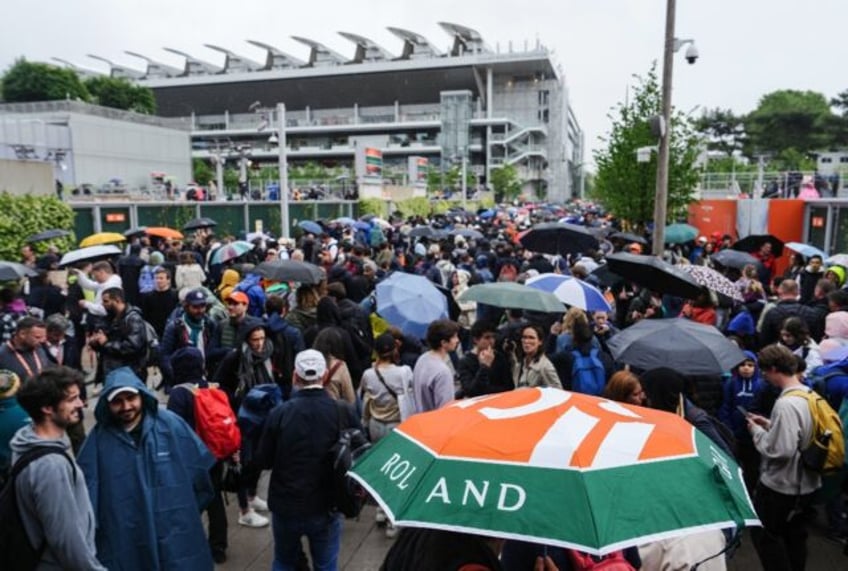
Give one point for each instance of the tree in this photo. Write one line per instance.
(202, 173)
(789, 119)
(21, 216)
(505, 183)
(119, 93)
(627, 187)
(723, 131)
(30, 81)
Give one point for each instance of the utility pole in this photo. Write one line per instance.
(661, 198)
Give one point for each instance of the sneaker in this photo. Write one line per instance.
(391, 530)
(380, 516)
(258, 504)
(252, 519)
(219, 556)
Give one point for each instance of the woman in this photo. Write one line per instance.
(530, 366)
(189, 274)
(304, 314)
(383, 387)
(625, 387)
(795, 336)
(330, 343)
(468, 309)
(701, 310)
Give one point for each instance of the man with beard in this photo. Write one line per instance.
(23, 354)
(122, 342)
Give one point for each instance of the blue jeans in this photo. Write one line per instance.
(324, 533)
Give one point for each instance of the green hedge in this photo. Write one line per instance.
(21, 216)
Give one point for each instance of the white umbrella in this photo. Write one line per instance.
(89, 253)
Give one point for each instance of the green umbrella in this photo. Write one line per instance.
(513, 296)
(680, 233)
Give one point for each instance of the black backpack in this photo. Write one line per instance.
(348, 496)
(16, 551)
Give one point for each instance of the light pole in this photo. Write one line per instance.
(282, 159)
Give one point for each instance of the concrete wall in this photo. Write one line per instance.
(26, 177)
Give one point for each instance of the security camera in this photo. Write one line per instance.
(692, 54)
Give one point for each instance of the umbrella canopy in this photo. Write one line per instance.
(345, 221)
(135, 231)
(427, 232)
(713, 281)
(805, 250)
(102, 238)
(605, 276)
(686, 346)
(559, 238)
(89, 254)
(290, 271)
(47, 235)
(512, 296)
(311, 227)
(360, 225)
(164, 232)
(197, 223)
(230, 251)
(510, 465)
(734, 259)
(628, 237)
(13, 271)
(410, 303)
(680, 233)
(571, 291)
(754, 242)
(837, 260)
(469, 233)
(655, 274)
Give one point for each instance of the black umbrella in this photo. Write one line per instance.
(654, 274)
(606, 277)
(734, 259)
(426, 232)
(469, 233)
(628, 237)
(686, 346)
(13, 271)
(754, 242)
(559, 238)
(47, 235)
(135, 231)
(198, 223)
(290, 271)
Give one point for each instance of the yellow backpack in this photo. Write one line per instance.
(825, 453)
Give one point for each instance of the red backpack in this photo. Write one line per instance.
(215, 422)
(614, 561)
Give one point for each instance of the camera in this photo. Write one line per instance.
(692, 54)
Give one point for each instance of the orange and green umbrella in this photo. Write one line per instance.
(555, 467)
(102, 238)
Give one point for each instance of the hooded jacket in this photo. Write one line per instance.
(54, 504)
(147, 497)
(255, 294)
(228, 283)
(740, 392)
(126, 344)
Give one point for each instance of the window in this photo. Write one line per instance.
(826, 160)
(843, 159)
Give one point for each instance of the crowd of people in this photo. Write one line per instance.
(129, 494)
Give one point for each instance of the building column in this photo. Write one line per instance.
(489, 115)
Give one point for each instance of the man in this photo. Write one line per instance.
(329, 253)
(148, 478)
(767, 262)
(432, 378)
(483, 370)
(28, 257)
(157, 305)
(190, 327)
(809, 277)
(295, 442)
(814, 312)
(63, 350)
(287, 339)
(785, 487)
(129, 269)
(51, 491)
(123, 340)
(103, 278)
(24, 354)
(787, 306)
(231, 330)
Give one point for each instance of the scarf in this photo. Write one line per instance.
(254, 368)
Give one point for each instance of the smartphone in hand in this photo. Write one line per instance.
(742, 410)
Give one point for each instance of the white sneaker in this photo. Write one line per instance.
(391, 530)
(252, 519)
(380, 516)
(258, 504)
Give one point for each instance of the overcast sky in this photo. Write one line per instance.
(748, 47)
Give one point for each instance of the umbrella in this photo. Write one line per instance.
(230, 251)
(13, 271)
(606, 277)
(469, 233)
(135, 231)
(359, 225)
(805, 249)
(655, 274)
(680, 233)
(559, 238)
(571, 291)
(686, 346)
(754, 242)
(838, 260)
(713, 281)
(102, 238)
(513, 296)
(628, 237)
(490, 213)
(164, 232)
(734, 259)
(410, 303)
(197, 223)
(290, 271)
(426, 232)
(345, 220)
(511, 465)
(311, 227)
(88, 254)
(47, 235)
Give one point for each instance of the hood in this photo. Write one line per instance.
(188, 365)
(229, 278)
(25, 438)
(328, 313)
(123, 377)
(839, 272)
(742, 323)
(250, 280)
(749, 356)
(836, 325)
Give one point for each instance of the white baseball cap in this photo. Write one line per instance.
(310, 365)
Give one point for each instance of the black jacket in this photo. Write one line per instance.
(126, 344)
(774, 319)
(297, 437)
(477, 380)
(814, 315)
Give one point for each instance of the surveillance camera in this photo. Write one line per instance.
(692, 54)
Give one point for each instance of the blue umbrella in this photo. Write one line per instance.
(805, 249)
(487, 213)
(680, 233)
(345, 220)
(311, 227)
(359, 225)
(410, 303)
(571, 291)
